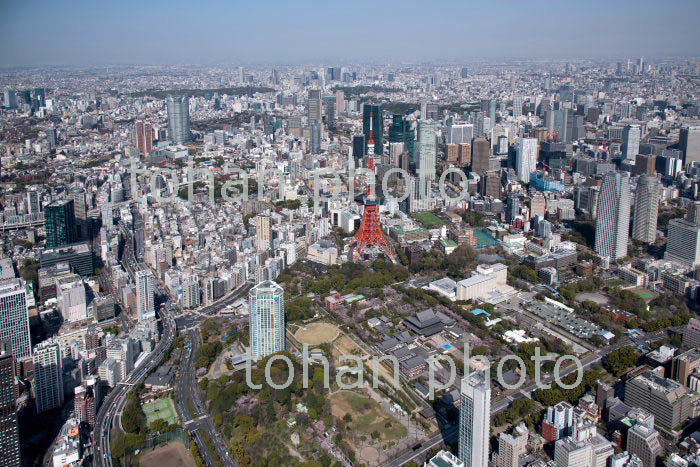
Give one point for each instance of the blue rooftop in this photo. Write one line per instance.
(479, 311)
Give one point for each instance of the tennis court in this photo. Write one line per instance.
(484, 240)
(160, 409)
(645, 294)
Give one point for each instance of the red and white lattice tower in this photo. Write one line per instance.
(370, 232)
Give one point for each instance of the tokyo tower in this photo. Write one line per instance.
(370, 236)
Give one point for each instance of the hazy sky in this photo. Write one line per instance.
(289, 31)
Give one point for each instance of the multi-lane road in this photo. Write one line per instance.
(191, 410)
(188, 401)
(113, 405)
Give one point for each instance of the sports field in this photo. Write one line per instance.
(317, 333)
(484, 240)
(644, 294)
(428, 220)
(171, 454)
(160, 409)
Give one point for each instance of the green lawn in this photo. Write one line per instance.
(428, 220)
(160, 409)
(368, 416)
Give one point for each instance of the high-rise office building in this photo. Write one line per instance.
(48, 376)
(683, 245)
(689, 143)
(427, 149)
(667, 400)
(631, 136)
(373, 112)
(10, 99)
(145, 306)
(340, 102)
(179, 119)
(526, 158)
(613, 216)
(517, 106)
(14, 317)
(144, 137)
(642, 438)
(481, 153)
(488, 108)
(460, 133)
(465, 154)
(646, 209)
(464, 73)
(267, 321)
(358, 147)
(645, 164)
(59, 221)
(474, 420)
(71, 297)
(315, 137)
(400, 131)
(80, 209)
(452, 153)
(263, 229)
(315, 106)
(9, 427)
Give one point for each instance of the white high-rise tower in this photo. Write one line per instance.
(475, 420)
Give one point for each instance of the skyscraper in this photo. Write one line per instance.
(427, 149)
(474, 420)
(375, 112)
(645, 164)
(80, 210)
(340, 102)
(71, 297)
(517, 106)
(60, 223)
(14, 317)
(263, 232)
(267, 325)
(400, 131)
(460, 133)
(631, 135)
(358, 147)
(315, 137)
(481, 152)
(179, 119)
(646, 209)
(48, 376)
(144, 137)
(526, 158)
(689, 143)
(613, 216)
(683, 246)
(9, 428)
(145, 306)
(314, 109)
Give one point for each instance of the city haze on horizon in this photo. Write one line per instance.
(87, 33)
